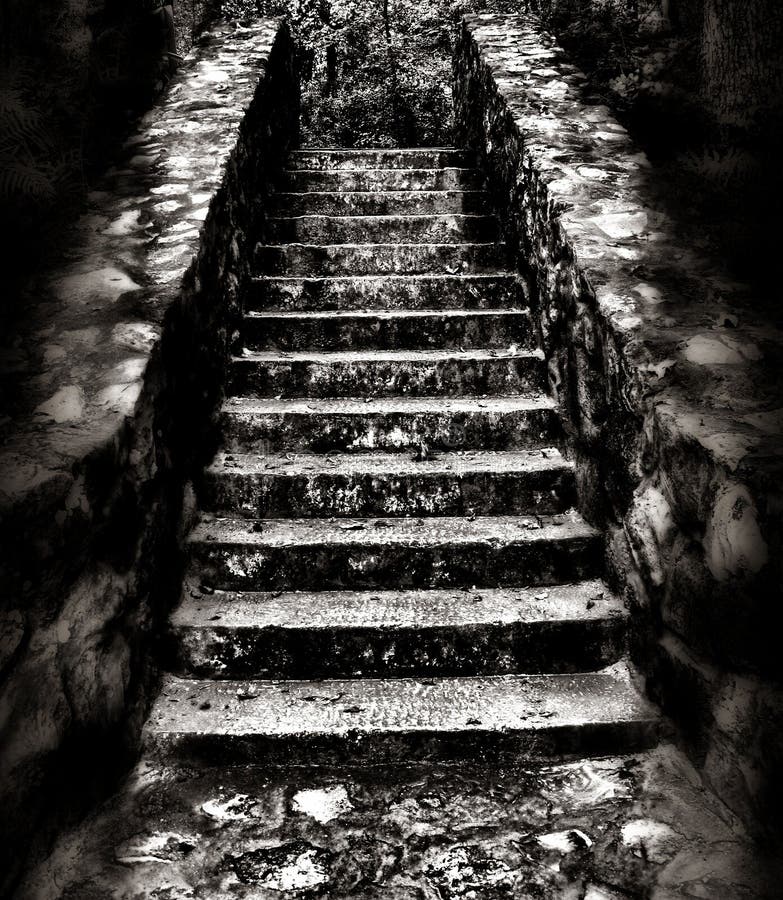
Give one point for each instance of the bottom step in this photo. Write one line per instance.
(405, 719)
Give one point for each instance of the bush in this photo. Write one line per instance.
(374, 73)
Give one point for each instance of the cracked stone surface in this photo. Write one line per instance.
(621, 828)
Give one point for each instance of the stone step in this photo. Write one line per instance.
(401, 329)
(440, 423)
(453, 179)
(442, 229)
(389, 484)
(379, 259)
(385, 373)
(492, 291)
(323, 554)
(332, 634)
(403, 158)
(400, 719)
(378, 203)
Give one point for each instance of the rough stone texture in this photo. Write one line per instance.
(386, 484)
(296, 554)
(281, 548)
(298, 180)
(118, 369)
(669, 378)
(402, 720)
(438, 229)
(399, 158)
(446, 291)
(324, 425)
(606, 829)
(385, 373)
(399, 329)
(380, 259)
(565, 628)
(386, 203)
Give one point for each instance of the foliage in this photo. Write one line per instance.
(602, 31)
(73, 77)
(39, 170)
(720, 177)
(374, 72)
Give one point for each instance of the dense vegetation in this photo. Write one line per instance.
(73, 79)
(377, 73)
(374, 72)
(699, 84)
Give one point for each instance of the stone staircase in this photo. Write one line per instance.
(388, 566)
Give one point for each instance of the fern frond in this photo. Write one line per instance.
(20, 181)
(20, 122)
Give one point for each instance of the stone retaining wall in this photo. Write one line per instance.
(118, 373)
(671, 388)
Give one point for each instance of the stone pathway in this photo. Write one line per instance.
(606, 829)
(388, 570)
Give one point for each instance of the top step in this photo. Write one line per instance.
(399, 158)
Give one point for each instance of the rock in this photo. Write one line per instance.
(733, 543)
(296, 866)
(67, 405)
(654, 841)
(323, 804)
(565, 841)
(651, 529)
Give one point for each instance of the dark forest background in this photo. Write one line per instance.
(698, 82)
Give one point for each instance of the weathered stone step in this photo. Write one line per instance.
(402, 329)
(323, 554)
(400, 719)
(403, 158)
(441, 229)
(442, 423)
(379, 259)
(452, 179)
(379, 203)
(389, 484)
(328, 634)
(385, 373)
(492, 291)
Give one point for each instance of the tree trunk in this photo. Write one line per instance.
(742, 59)
(403, 118)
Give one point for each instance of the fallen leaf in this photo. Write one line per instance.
(246, 695)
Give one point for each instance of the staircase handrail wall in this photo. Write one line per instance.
(125, 354)
(667, 378)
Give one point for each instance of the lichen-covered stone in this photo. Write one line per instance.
(394, 423)
(388, 484)
(394, 633)
(437, 551)
(439, 291)
(385, 373)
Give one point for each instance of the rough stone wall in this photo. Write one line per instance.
(671, 385)
(118, 371)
